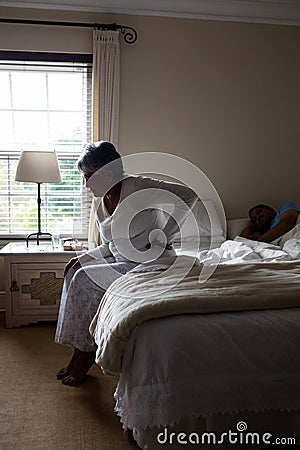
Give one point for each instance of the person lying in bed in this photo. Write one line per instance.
(267, 225)
(125, 244)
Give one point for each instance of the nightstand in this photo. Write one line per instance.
(33, 282)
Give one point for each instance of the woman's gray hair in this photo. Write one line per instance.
(97, 155)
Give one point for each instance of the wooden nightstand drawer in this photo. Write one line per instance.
(33, 282)
(38, 288)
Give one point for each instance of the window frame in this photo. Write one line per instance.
(85, 196)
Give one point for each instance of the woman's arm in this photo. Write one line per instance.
(182, 198)
(102, 251)
(97, 253)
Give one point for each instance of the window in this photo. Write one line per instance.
(45, 104)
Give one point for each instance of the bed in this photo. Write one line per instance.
(213, 360)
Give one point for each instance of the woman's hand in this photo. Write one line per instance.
(74, 263)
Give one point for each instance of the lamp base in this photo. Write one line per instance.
(38, 234)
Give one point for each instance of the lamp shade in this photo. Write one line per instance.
(38, 167)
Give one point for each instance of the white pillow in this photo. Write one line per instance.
(192, 246)
(207, 222)
(236, 226)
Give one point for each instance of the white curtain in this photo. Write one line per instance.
(106, 97)
(106, 85)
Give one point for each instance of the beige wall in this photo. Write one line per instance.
(224, 95)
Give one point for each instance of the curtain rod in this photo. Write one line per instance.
(129, 33)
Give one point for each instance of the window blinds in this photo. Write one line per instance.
(44, 105)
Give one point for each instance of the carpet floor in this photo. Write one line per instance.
(39, 412)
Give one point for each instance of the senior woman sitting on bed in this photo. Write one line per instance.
(125, 243)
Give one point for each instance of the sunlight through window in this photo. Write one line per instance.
(44, 106)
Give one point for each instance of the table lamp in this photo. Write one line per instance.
(38, 167)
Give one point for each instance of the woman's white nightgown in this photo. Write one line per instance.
(84, 288)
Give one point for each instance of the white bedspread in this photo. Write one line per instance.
(202, 364)
(137, 297)
(243, 251)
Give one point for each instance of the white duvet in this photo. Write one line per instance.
(261, 276)
(241, 250)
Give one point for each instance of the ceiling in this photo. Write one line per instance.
(264, 11)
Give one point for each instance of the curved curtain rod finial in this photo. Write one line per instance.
(129, 33)
(129, 36)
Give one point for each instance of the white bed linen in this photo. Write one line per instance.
(144, 293)
(242, 250)
(196, 365)
(203, 364)
(137, 297)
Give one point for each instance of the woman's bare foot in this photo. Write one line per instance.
(65, 371)
(81, 364)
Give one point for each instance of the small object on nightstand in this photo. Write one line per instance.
(67, 246)
(56, 241)
(73, 245)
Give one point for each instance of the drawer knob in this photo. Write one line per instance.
(14, 286)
